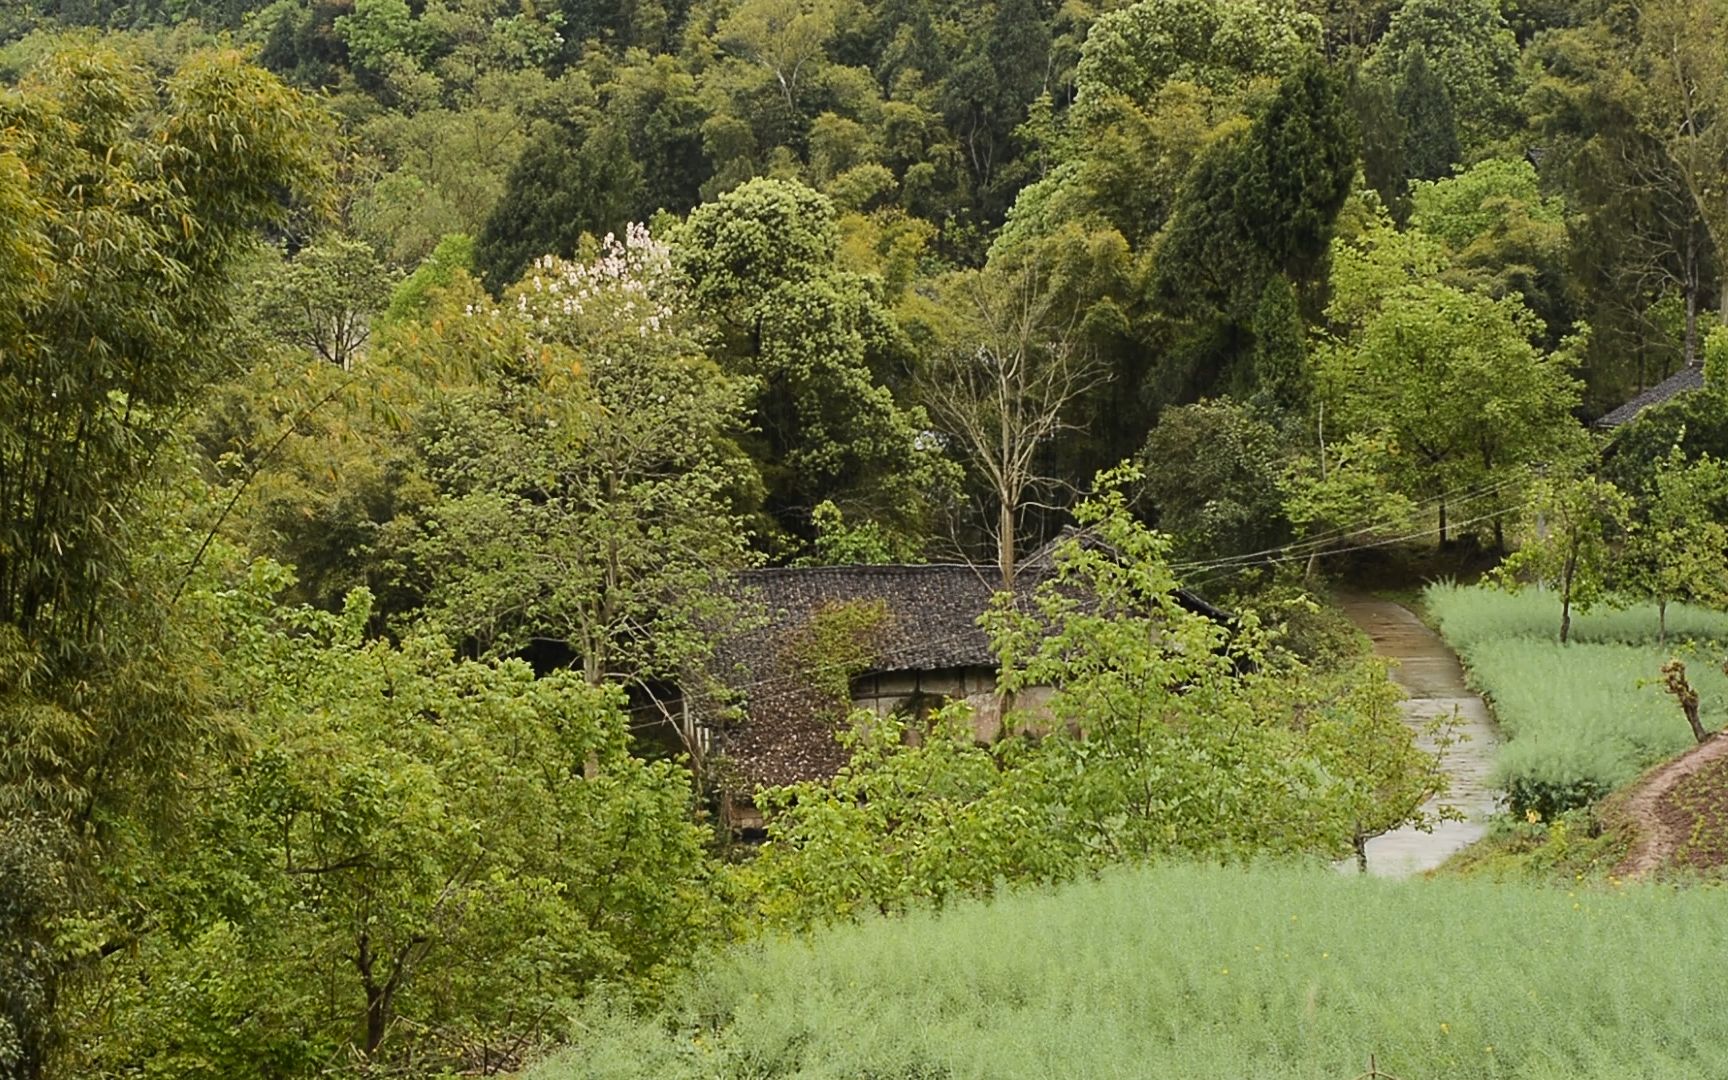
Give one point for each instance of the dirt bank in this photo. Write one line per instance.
(1677, 812)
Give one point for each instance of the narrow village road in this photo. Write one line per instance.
(1433, 683)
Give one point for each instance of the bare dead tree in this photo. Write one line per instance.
(1001, 388)
(1674, 675)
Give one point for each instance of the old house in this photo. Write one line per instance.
(894, 638)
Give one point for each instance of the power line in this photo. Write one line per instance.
(1461, 496)
(1433, 531)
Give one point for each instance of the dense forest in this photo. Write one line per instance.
(393, 393)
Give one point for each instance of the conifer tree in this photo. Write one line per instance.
(1430, 142)
(568, 182)
(1281, 383)
(1264, 202)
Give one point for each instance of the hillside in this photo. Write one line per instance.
(513, 504)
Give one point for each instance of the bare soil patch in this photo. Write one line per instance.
(1678, 812)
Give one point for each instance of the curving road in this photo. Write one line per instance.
(1433, 683)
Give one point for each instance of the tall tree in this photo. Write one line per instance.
(819, 348)
(1264, 201)
(1449, 377)
(1471, 49)
(1682, 57)
(785, 37)
(123, 201)
(1430, 144)
(991, 87)
(1216, 44)
(1637, 239)
(1002, 388)
(587, 488)
(570, 181)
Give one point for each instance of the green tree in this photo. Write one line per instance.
(1471, 50)
(840, 544)
(1568, 539)
(1504, 236)
(1217, 44)
(124, 199)
(1636, 238)
(439, 170)
(381, 32)
(415, 860)
(1679, 547)
(760, 260)
(324, 299)
(1264, 202)
(1171, 729)
(1429, 148)
(414, 295)
(786, 37)
(1226, 501)
(1381, 779)
(570, 182)
(588, 487)
(1679, 61)
(1448, 378)
(988, 93)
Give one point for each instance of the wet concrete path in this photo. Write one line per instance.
(1433, 683)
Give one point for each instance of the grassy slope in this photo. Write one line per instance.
(1593, 709)
(1189, 971)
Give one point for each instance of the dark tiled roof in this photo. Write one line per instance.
(933, 610)
(1686, 379)
(929, 624)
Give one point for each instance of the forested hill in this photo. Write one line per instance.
(409, 407)
(527, 124)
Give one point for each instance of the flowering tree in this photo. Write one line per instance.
(594, 493)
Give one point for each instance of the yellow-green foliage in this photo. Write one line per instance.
(1188, 971)
(1580, 719)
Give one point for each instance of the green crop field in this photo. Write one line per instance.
(1585, 718)
(1187, 971)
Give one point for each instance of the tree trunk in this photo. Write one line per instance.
(1566, 575)
(1690, 272)
(1442, 522)
(1662, 622)
(1005, 544)
(378, 995)
(1360, 842)
(1675, 673)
